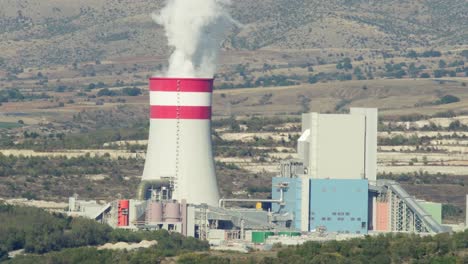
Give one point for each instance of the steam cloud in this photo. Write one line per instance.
(194, 29)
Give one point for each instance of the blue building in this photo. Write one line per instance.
(339, 205)
(292, 198)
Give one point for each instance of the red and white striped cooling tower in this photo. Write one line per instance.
(179, 147)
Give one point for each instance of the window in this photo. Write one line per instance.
(363, 225)
(323, 219)
(352, 218)
(359, 218)
(358, 232)
(329, 219)
(334, 213)
(347, 213)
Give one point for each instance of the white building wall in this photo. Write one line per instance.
(371, 115)
(312, 168)
(190, 221)
(303, 147)
(305, 204)
(306, 121)
(337, 146)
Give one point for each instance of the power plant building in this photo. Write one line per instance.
(350, 140)
(345, 209)
(330, 187)
(333, 184)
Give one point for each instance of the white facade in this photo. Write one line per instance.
(340, 146)
(371, 115)
(305, 204)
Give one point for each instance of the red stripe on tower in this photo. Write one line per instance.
(181, 112)
(181, 85)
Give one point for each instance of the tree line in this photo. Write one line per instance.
(39, 232)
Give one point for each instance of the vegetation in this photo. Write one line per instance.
(424, 54)
(40, 232)
(86, 140)
(11, 166)
(134, 91)
(447, 99)
(381, 249)
(37, 231)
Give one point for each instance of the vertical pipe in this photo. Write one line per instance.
(183, 208)
(466, 212)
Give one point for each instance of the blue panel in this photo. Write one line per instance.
(339, 205)
(292, 198)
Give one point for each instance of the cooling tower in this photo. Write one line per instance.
(179, 161)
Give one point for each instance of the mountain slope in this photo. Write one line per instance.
(64, 31)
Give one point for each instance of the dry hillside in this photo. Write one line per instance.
(61, 32)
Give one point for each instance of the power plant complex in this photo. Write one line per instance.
(329, 191)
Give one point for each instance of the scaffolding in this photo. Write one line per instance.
(203, 222)
(406, 215)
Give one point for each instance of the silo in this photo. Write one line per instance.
(172, 212)
(154, 212)
(179, 147)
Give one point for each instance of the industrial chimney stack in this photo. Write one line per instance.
(179, 161)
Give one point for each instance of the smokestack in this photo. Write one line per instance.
(179, 156)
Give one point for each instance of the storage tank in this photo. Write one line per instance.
(172, 212)
(179, 145)
(154, 212)
(123, 213)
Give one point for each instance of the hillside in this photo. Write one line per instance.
(62, 32)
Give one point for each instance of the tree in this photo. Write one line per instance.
(455, 125)
(447, 99)
(131, 91)
(425, 75)
(91, 86)
(313, 79)
(442, 64)
(106, 92)
(412, 54)
(344, 64)
(413, 70)
(439, 73)
(464, 53)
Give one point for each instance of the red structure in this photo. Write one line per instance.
(382, 216)
(124, 206)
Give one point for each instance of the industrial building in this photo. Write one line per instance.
(330, 188)
(334, 181)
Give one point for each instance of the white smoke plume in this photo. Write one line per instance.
(195, 30)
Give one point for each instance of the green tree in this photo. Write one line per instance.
(464, 53)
